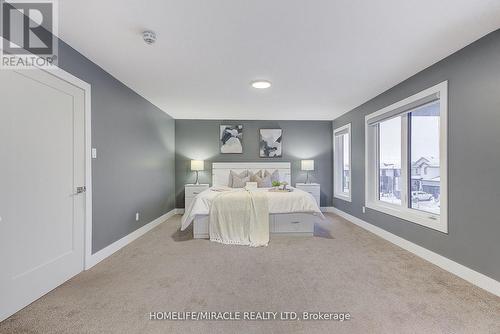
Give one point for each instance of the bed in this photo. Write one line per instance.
(291, 213)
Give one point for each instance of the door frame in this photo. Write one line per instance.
(87, 89)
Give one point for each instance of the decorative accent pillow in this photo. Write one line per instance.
(253, 175)
(275, 176)
(232, 174)
(251, 185)
(263, 182)
(240, 182)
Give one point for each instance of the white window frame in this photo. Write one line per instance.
(338, 165)
(372, 201)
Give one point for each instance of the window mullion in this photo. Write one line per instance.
(404, 181)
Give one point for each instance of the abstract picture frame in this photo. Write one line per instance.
(271, 143)
(231, 139)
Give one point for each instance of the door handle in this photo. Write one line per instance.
(81, 190)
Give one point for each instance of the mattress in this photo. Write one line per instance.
(296, 201)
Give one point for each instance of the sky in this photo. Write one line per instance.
(424, 140)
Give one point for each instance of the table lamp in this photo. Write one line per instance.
(197, 165)
(307, 165)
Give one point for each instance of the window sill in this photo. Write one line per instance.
(343, 197)
(429, 220)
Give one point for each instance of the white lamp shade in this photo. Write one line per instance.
(307, 164)
(197, 165)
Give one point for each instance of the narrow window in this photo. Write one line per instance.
(342, 162)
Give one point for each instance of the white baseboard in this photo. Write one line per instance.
(330, 209)
(119, 244)
(472, 276)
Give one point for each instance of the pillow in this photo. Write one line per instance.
(253, 175)
(232, 174)
(263, 182)
(240, 182)
(275, 176)
(251, 185)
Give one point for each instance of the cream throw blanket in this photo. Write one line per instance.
(240, 218)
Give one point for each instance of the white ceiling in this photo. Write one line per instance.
(323, 57)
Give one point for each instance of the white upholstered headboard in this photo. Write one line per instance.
(221, 170)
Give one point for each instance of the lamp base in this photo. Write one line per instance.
(197, 182)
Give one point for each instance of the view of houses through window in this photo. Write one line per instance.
(424, 158)
(390, 160)
(423, 137)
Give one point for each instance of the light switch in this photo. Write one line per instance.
(94, 153)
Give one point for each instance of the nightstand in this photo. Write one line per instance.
(191, 190)
(311, 188)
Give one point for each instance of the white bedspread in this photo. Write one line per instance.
(297, 201)
(240, 218)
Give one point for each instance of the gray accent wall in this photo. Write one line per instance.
(473, 75)
(199, 140)
(135, 141)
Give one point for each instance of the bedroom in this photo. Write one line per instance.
(354, 143)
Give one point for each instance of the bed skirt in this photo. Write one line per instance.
(296, 224)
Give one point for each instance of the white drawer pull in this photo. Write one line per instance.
(195, 193)
(295, 222)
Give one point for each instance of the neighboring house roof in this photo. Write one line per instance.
(390, 166)
(423, 178)
(429, 161)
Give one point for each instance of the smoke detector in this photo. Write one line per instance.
(149, 37)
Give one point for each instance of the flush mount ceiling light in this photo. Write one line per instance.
(261, 84)
(149, 36)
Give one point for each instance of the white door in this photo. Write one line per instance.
(42, 162)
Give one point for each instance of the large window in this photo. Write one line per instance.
(342, 162)
(406, 164)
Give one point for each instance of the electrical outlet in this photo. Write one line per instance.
(94, 153)
(137, 216)
(364, 209)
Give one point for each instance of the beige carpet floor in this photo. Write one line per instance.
(342, 269)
